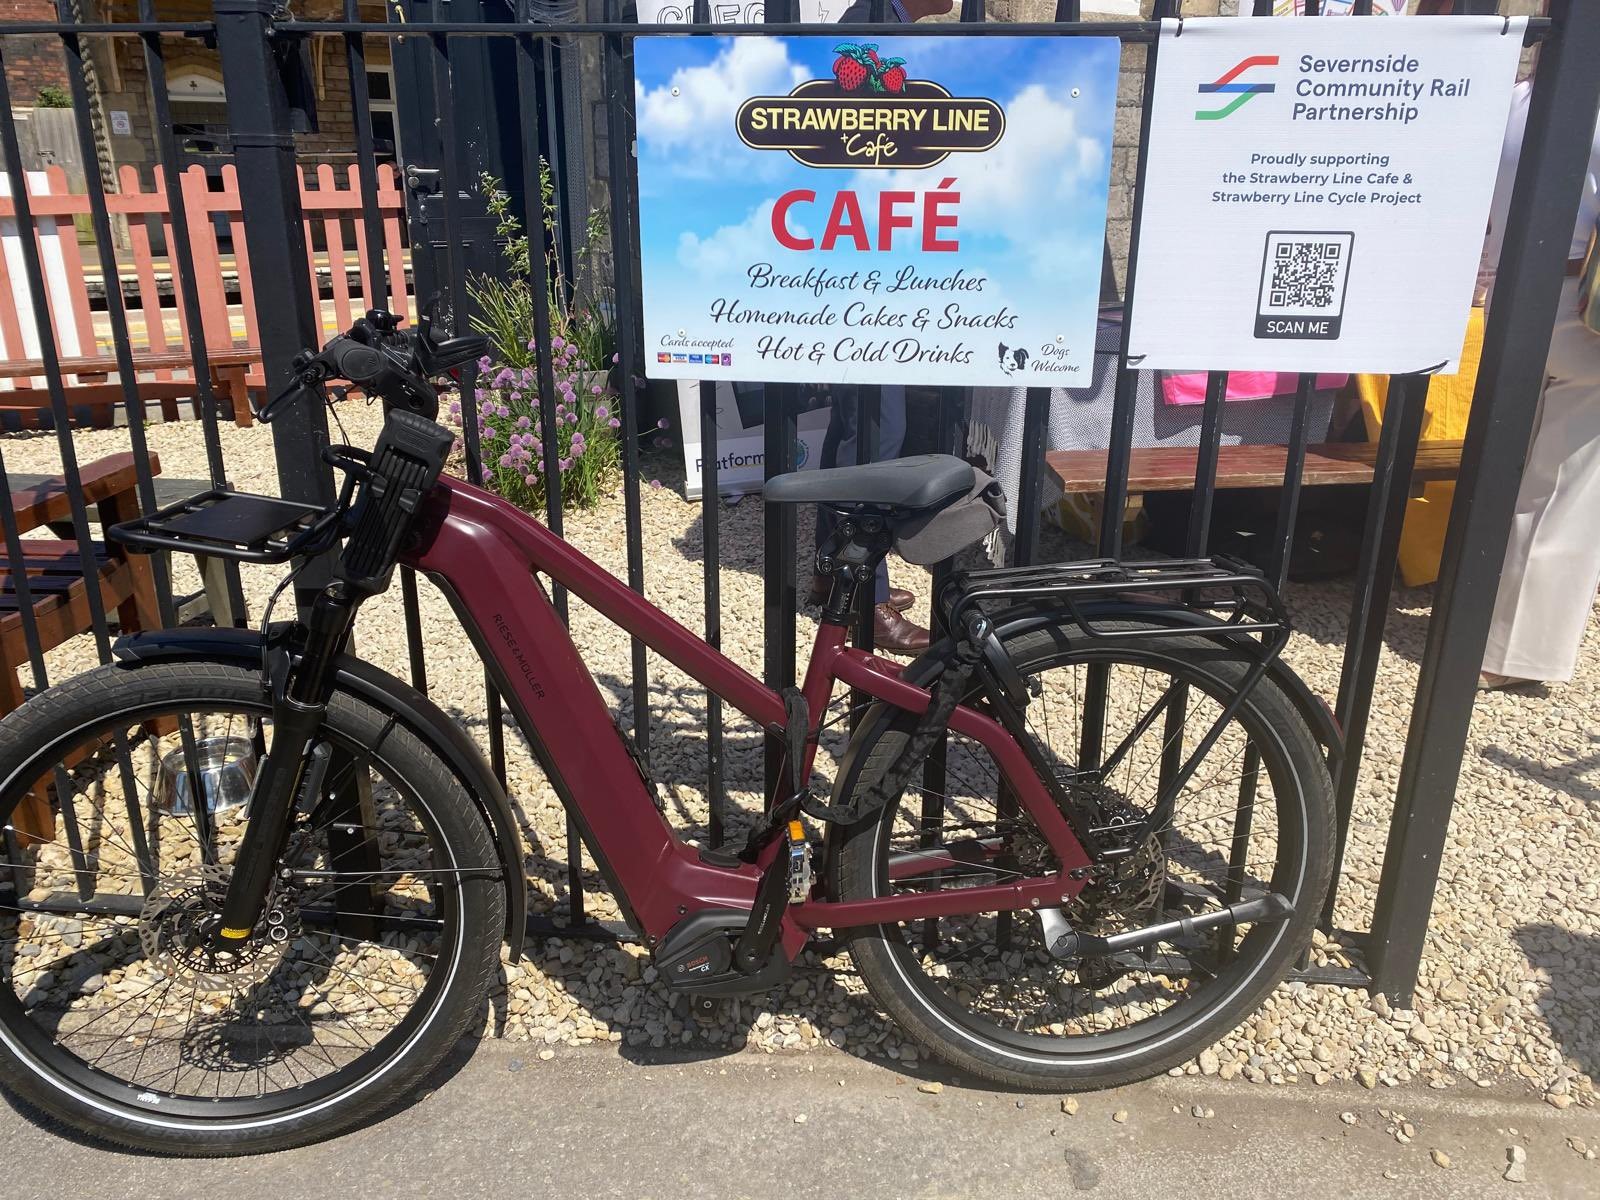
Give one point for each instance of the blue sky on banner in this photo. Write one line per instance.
(1032, 209)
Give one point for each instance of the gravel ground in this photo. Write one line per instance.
(1511, 973)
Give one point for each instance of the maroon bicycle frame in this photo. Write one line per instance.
(484, 552)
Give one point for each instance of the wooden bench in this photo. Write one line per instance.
(1172, 468)
(94, 390)
(58, 582)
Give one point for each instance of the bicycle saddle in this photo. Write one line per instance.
(921, 482)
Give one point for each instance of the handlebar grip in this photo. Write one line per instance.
(349, 359)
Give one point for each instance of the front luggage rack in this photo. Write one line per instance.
(1225, 587)
(234, 525)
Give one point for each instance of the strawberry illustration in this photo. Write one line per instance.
(871, 51)
(850, 71)
(893, 75)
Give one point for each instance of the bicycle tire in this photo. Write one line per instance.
(884, 955)
(32, 738)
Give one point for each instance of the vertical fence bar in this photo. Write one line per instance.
(269, 195)
(711, 560)
(33, 273)
(1369, 610)
(619, 128)
(1114, 494)
(778, 526)
(455, 175)
(1555, 150)
(539, 249)
(1277, 569)
(116, 313)
(246, 133)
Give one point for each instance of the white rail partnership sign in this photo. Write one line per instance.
(1317, 192)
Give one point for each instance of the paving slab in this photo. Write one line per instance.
(590, 1122)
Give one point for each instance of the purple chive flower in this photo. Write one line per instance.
(484, 364)
(558, 343)
(566, 464)
(561, 409)
(616, 358)
(662, 423)
(523, 422)
(536, 446)
(601, 412)
(614, 423)
(455, 408)
(597, 390)
(488, 431)
(655, 485)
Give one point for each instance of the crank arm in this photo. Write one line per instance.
(1065, 942)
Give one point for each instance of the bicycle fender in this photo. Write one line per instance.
(385, 692)
(1014, 622)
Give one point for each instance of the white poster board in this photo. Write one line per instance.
(1316, 192)
(741, 436)
(902, 211)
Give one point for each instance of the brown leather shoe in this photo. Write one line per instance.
(821, 585)
(894, 633)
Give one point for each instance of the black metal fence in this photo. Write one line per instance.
(257, 42)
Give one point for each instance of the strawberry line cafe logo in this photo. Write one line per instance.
(870, 114)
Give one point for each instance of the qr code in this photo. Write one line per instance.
(1303, 278)
(1305, 273)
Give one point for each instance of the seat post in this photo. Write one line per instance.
(859, 542)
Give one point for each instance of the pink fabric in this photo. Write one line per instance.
(1190, 388)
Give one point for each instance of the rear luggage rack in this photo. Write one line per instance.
(233, 525)
(1224, 587)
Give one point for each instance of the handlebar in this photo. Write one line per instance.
(383, 360)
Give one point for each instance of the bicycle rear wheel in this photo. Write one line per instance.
(982, 991)
(118, 1016)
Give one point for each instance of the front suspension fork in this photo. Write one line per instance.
(297, 757)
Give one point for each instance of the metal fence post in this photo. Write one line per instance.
(269, 193)
(1555, 154)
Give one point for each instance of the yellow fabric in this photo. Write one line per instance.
(1444, 420)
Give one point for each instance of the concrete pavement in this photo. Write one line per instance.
(591, 1123)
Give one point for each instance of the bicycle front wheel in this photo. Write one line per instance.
(119, 1016)
(1114, 720)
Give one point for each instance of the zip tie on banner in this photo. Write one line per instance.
(1506, 28)
(1179, 34)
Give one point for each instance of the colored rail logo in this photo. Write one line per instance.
(1240, 92)
(870, 115)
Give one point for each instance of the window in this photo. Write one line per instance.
(385, 121)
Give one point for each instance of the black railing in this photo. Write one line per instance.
(248, 35)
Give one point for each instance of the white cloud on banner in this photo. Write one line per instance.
(1041, 154)
(732, 248)
(698, 121)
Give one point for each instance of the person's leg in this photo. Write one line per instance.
(1552, 564)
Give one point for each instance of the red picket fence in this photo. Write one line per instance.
(336, 238)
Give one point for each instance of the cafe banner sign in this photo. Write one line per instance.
(1316, 192)
(900, 210)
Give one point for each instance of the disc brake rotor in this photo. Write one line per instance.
(177, 922)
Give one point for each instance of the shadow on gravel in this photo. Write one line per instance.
(1572, 961)
(1573, 778)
